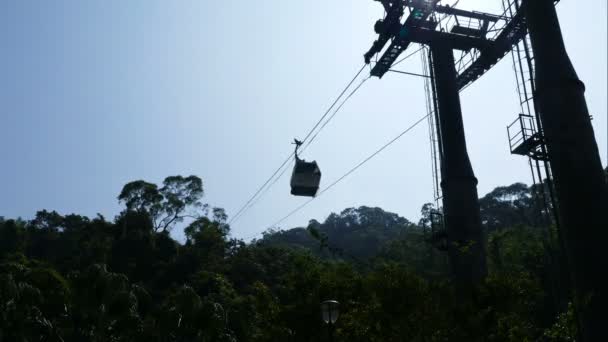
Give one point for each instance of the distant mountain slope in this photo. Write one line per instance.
(366, 232)
(354, 233)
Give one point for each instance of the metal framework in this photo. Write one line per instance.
(427, 23)
(482, 40)
(526, 138)
(554, 124)
(525, 134)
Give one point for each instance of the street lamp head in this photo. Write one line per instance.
(330, 310)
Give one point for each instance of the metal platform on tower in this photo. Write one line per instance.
(525, 139)
(526, 132)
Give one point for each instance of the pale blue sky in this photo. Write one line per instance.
(94, 94)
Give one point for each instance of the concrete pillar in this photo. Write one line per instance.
(581, 188)
(466, 248)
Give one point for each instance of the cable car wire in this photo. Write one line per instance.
(264, 186)
(269, 182)
(241, 210)
(261, 194)
(374, 154)
(261, 188)
(408, 56)
(254, 202)
(409, 73)
(248, 205)
(291, 213)
(334, 103)
(334, 113)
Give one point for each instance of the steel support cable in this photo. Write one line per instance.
(408, 56)
(276, 179)
(248, 204)
(374, 154)
(242, 209)
(409, 73)
(261, 188)
(334, 113)
(345, 175)
(432, 133)
(334, 103)
(256, 200)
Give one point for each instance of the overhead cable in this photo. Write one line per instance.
(308, 144)
(345, 175)
(260, 189)
(334, 103)
(409, 73)
(334, 113)
(269, 180)
(408, 56)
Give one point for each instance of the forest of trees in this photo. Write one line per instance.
(75, 278)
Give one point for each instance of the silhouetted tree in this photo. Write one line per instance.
(74, 278)
(178, 198)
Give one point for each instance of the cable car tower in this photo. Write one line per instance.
(554, 128)
(485, 38)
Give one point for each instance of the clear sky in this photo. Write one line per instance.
(94, 94)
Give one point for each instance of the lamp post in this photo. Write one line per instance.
(330, 310)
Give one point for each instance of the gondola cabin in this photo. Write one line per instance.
(305, 178)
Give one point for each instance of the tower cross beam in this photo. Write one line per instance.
(422, 26)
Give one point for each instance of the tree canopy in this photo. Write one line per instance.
(168, 204)
(75, 278)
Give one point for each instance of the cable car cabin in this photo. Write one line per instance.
(305, 178)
